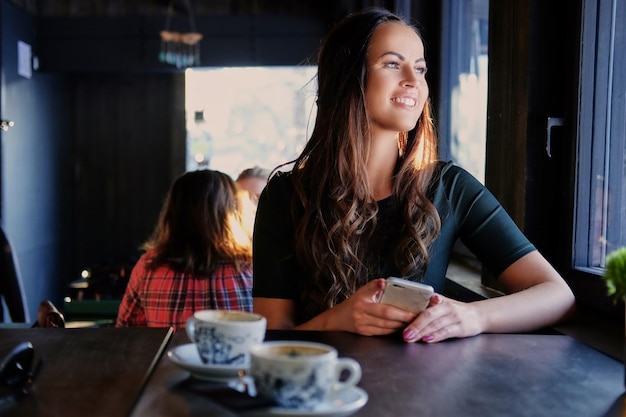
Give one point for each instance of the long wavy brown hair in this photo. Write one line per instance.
(205, 220)
(334, 206)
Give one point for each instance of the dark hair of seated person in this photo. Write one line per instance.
(203, 220)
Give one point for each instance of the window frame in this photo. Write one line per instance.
(602, 27)
(597, 124)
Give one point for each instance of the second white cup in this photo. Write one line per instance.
(300, 375)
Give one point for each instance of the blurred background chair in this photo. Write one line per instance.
(48, 316)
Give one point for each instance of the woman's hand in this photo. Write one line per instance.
(363, 314)
(443, 319)
(537, 297)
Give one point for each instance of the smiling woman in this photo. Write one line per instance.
(368, 198)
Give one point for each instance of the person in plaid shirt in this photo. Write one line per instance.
(198, 257)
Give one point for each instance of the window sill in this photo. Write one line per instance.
(589, 327)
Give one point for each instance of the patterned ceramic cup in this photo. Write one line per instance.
(224, 337)
(301, 375)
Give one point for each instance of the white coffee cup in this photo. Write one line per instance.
(224, 337)
(300, 375)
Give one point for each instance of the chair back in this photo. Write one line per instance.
(49, 316)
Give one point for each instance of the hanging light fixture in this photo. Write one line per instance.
(180, 49)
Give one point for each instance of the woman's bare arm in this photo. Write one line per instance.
(279, 312)
(537, 297)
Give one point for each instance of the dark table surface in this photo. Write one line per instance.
(488, 375)
(86, 372)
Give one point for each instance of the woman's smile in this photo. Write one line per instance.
(406, 101)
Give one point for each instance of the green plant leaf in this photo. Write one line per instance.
(615, 273)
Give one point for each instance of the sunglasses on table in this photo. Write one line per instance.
(18, 373)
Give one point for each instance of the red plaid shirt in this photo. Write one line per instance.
(162, 297)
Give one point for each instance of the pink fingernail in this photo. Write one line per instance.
(428, 338)
(408, 334)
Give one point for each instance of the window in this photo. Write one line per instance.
(463, 110)
(600, 218)
(248, 116)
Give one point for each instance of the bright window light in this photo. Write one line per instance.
(251, 116)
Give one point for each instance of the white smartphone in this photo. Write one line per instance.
(407, 295)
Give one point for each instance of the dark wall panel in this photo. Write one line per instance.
(36, 166)
(130, 146)
(122, 44)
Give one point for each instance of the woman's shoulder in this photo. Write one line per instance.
(454, 188)
(227, 269)
(280, 177)
(151, 263)
(452, 176)
(451, 169)
(274, 201)
(279, 184)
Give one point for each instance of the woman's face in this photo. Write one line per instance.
(396, 88)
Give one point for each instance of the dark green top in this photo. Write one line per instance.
(467, 210)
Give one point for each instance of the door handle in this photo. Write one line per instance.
(552, 122)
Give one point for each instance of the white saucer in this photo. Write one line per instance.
(343, 404)
(187, 357)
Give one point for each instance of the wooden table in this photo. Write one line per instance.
(499, 375)
(119, 372)
(86, 372)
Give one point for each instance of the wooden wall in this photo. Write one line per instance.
(129, 134)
